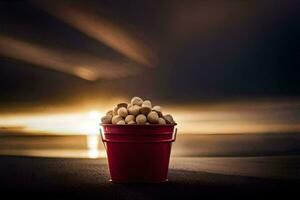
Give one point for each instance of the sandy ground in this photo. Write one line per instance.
(188, 178)
(202, 166)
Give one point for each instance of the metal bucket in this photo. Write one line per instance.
(138, 153)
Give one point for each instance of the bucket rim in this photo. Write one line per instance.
(139, 125)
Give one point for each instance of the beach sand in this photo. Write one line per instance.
(189, 178)
(202, 166)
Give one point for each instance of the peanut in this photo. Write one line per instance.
(136, 101)
(137, 112)
(122, 112)
(106, 119)
(161, 121)
(121, 122)
(145, 110)
(141, 119)
(110, 112)
(115, 110)
(134, 110)
(153, 117)
(116, 119)
(129, 118)
(120, 105)
(158, 110)
(169, 119)
(147, 103)
(131, 122)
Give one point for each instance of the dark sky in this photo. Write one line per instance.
(201, 51)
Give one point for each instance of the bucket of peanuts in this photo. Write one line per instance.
(138, 139)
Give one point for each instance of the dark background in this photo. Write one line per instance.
(205, 51)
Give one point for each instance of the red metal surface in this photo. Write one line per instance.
(138, 153)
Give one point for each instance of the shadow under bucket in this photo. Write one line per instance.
(138, 153)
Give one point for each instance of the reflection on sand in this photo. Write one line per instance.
(53, 146)
(93, 151)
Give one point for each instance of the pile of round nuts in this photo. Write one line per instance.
(136, 112)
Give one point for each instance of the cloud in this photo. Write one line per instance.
(82, 65)
(91, 23)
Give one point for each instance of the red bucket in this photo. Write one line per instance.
(138, 153)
